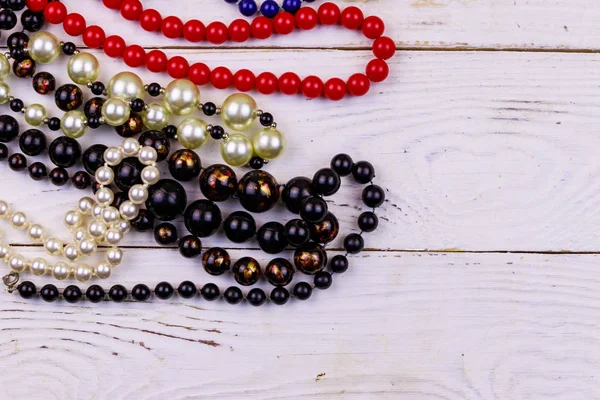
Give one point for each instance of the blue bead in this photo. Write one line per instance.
(291, 6)
(269, 8)
(248, 7)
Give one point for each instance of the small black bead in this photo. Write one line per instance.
(170, 131)
(339, 264)
(209, 109)
(17, 40)
(302, 290)
(117, 293)
(98, 88)
(210, 292)
(72, 294)
(326, 182)
(69, 49)
(16, 5)
(9, 128)
(17, 105)
(32, 142)
(313, 209)
(141, 292)
(37, 171)
(217, 132)
(373, 196)
(93, 157)
(8, 19)
(3, 151)
(266, 119)
(32, 21)
(280, 295)
(17, 162)
(342, 164)
(27, 290)
(190, 246)
(164, 290)
(187, 290)
(354, 243)
(323, 280)
(95, 293)
(256, 162)
(165, 234)
(59, 176)
(144, 221)
(81, 180)
(49, 293)
(368, 221)
(137, 105)
(154, 89)
(54, 124)
(233, 295)
(363, 172)
(93, 122)
(256, 297)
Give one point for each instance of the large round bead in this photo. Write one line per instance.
(271, 238)
(295, 191)
(313, 209)
(192, 133)
(43, 83)
(202, 218)
(128, 173)
(24, 68)
(35, 114)
(216, 261)
(246, 271)
(258, 191)
(73, 124)
(43, 47)
(310, 258)
(268, 144)
(239, 111)
(131, 127)
(64, 151)
(4, 93)
(279, 272)
(166, 199)
(184, 165)
(155, 116)
(93, 158)
(218, 182)
(126, 86)
(326, 230)
(237, 150)
(158, 141)
(83, 68)
(4, 67)
(115, 111)
(239, 227)
(326, 182)
(181, 97)
(9, 128)
(68, 97)
(297, 232)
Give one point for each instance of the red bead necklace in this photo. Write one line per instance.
(239, 30)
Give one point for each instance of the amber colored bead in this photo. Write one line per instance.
(133, 126)
(310, 258)
(44, 83)
(24, 68)
(218, 182)
(246, 271)
(190, 246)
(326, 230)
(258, 191)
(68, 97)
(216, 261)
(93, 107)
(184, 165)
(279, 272)
(159, 141)
(165, 234)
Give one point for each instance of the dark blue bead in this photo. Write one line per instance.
(291, 6)
(248, 7)
(269, 8)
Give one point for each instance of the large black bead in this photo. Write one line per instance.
(3, 151)
(339, 264)
(302, 290)
(184, 165)
(117, 293)
(314, 209)
(202, 218)
(120, 198)
(279, 272)
(49, 293)
(368, 221)
(218, 182)
(17, 40)
(93, 158)
(37, 171)
(326, 182)
(256, 297)
(216, 261)
(271, 238)
(9, 128)
(342, 164)
(210, 292)
(295, 191)
(233, 295)
(323, 280)
(258, 191)
(8, 19)
(190, 246)
(81, 180)
(93, 107)
(32, 21)
(164, 290)
(141, 292)
(373, 196)
(246, 271)
(68, 97)
(165, 234)
(43, 83)
(64, 151)
(23, 68)
(133, 126)
(72, 294)
(363, 172)
(59, 176)
(280, 295)
(354, 243)
(159, 141)
(187, 290)
(16, 5)
(239, 227)
(310, 258)
(32, 142)
(128, 173)
(326, 230)
(27, 290)
(17, 162)
(95, 293)
(144, 221)
(297, 232)
(166, 199)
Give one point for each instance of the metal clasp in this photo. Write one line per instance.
(10, 280)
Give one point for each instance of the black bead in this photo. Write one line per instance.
(93, 122)
(137, 105)
(325, 231)
(9, 128)
(209, 109)
(258, 191)
(216, 261)
(246, 271)
(72, 294)
(170, 131)
(117, 293)
(166, 199)
(266, 119)
(202, 218)
(165, 234)
(190, 246)
(69, 49)
(256, 297)
(3, 151)
(23, 67)
(159, 141)
(133, 126)
(279, 272)
(233, 295)
(217, 132)
(313, 209)
(342, 164)
(210, 292)
(218, 182)
(373, 196)
(280, 295)
(17, 162)
(310, 258)
(297, 232)
(93, 158)
(54, 124)
(98, 88)
(302, 291)
(363, 172)
(59, 176)
(154, 89)
(295, 191)
(37, 171)
(354, 243)
(326, 182)
(32, 21)
(141, 292)
(120, 198)
(32, 142)
(128, 173)
(16, 5)
(239, 227)
(64, 151)
(81, 180)
(256, 162)
(95, 187)
(49, 293)
(143, 222)
(323, 280)
(68, 97)
(368, 221)
(184, 165)
(93, 107)
(339, 264)
(43, 83)
(27, 290)
(8, 19)
(271, 238)
(95, 293)
(17, 40)
(18, 54)
(187, 290)
(16, 105)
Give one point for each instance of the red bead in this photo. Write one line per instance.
(312, 87)
(131, 9)
(199, 73)
(289, 83)
(284, 23)
(74, 24)
(352, 17)
(150, 20)
(384, 48)
(262, 27)
(266, 83)
(221, 77)
(216, 32)
(93, 36)
(114, 46)
(177, 67)
(358, 85)
(172, 27)
(134, 56)
(55, 12)
(377, 70)
(114, 4)
(244, 80)
(373, 27)
(193, 31)
(37, 5)
(156, 61)
(335, 89)
(306, 18)
(239, 30)
(329, 13)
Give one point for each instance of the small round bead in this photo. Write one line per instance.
(72, 294)
(368, 221)
(384, 48)
(373, 196)
(210, 292)
(98, 88)
(95, 294)
(187, 290)
(143, 222)
(323, 280)
(165, 234)
(216, 32)
(3, 151)
(284, 23)
(209, 109)
(81, 180)
(329, 13)
(289, 83)
(37, 171)
(217, 132)
(352, 17)
(246, 271)
(17, 162)
(27, 290)
(342, 164)
(16, 105)
(269, 8)
(313, 209)
(354, 243)
(302, 291)
(154, 89)
(59, 176)
(194, 31)
(326, 182)
(377, 70)
(267, 82)
(141, 292)
(335, 89)
(312, 87)
(49, 293)
(216, 261)
(256, 162)
(233, 295)
(339, 264)
(117, 293)
(363, 172)
(297, 232)
(280, 295)
(190, 246)
(266, 119)
(256, 297)
(69, 48)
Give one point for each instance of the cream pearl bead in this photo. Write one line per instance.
(4, 251)
(237, 150)
(71, 253)
(129, 210)
(268, 144)
(239, 111)
(138, 194)
(19, 220)
(85, 205)
(181, 97)
(123, 226)
(73, 219)
(114, 256)
(4, 92)
(61, 271)
(110, 215)
(150, 175)
(87, 247)
(148, 155)
(155, 116)
(115, 111)
(105, 196)
(114, 236)
(103, 270)
(126, 86)
(113, 156)
(17, 263)
(35, 114)
(83, 68)
(97, 211)
(53, 246)
(80, 234)
(105, 175)
(192, 133)
(73, 124)
(97, 229)
(130, 147)
(83, 273)
(4, 209)
(36, 233)
(39, 266)
(43, 47)
(4, 67)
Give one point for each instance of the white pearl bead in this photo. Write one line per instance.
(130, 147)
(113, 156)
(97, 211)
(85, 205)
(80, 234)
(39, 266)
(73, 124)
(105, 196)
(150, 175)
(83, 68)
(43, 47)
(237, 150)
(114, 236)
(19, 220)
(110, 215)
(138, 194)
(4, 92)
(103, 270)
(73, 219)
(268, 144)
(155, 116)
(83, 273)
(36, 233)
(239, 111)
(61, 271)
(17, 263)
(4, 67)
(53, 246)
(87, 247)
(129, 210)
(71, 252)
(114, 256)
(148, 155)
(126, 86)
(97, 229)
(182, 96)
(192, 133)
(123, 226)
(4, 251)
(105, 175)
(4, 209)
(35, 114)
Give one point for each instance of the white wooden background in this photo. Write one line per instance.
(482, 281)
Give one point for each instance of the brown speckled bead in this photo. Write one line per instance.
(44, 83)
(279, 272)
(132, 127)
(24, 68)
(184, 165)
(246, 271)
(218, 182)
(326, 230)
(68, 97)
(216, 261)
(310, 258)
(93, 107)
(258, 191)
